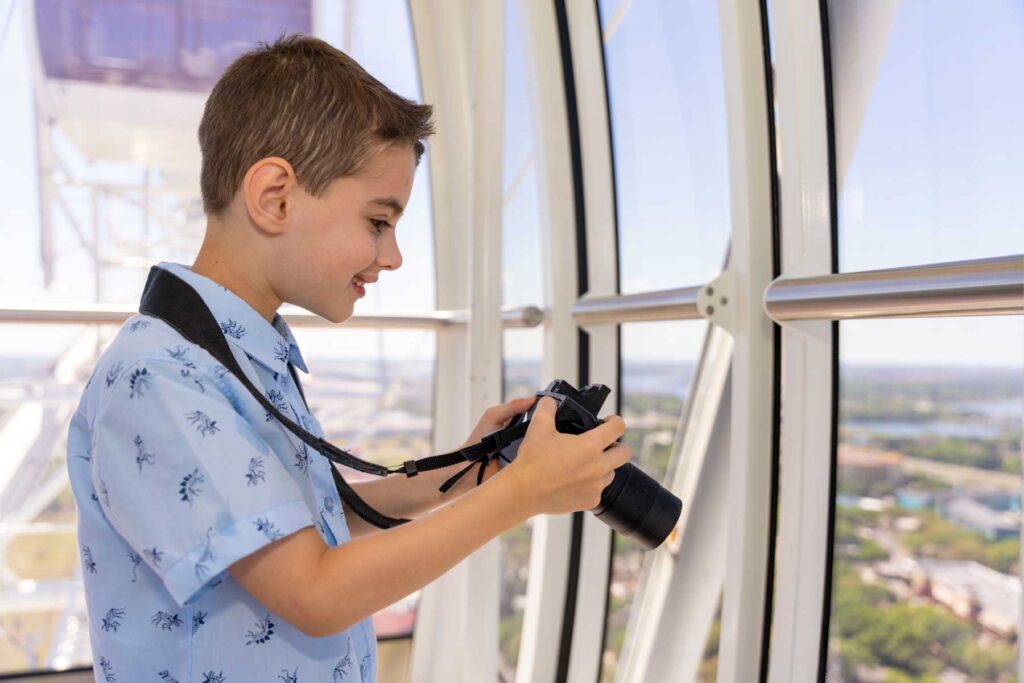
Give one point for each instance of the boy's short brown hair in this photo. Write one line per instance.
(308, 103)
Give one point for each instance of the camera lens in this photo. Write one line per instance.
(638, 507)
(633, 504)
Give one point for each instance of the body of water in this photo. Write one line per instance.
(1000, 408)
(923, 429)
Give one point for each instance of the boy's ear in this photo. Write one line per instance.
(268, 189)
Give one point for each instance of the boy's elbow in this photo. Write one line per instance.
(308, 622)
(289, 577)
(314, 628)
(318, 620)
(317, 615)
(323, 629)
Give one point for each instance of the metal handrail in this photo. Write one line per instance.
(79, 314)
(992, 286)
(667, 304)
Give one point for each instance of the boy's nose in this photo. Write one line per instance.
(390, 257)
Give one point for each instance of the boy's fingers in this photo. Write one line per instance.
(516, 406)
(618, 454)
(505, 411)
(545, 412)
(607, 433)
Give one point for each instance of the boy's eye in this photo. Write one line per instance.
(379, 224)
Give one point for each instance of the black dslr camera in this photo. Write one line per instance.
(633, 504)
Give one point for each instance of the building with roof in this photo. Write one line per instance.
(995, 525)
(972, 591)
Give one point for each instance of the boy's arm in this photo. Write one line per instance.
(322, 590)
(298, 576)
(410, 497)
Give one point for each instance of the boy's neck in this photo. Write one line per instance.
(214, 264)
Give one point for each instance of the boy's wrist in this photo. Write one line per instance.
(510, 487)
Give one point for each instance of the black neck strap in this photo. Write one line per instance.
(173, 300)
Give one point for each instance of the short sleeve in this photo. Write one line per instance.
(185, 479)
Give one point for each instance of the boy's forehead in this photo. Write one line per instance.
(392, 160)
(387, 178)
(384, 183)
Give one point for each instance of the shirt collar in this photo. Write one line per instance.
(273, 345)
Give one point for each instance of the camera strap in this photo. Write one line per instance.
(171, 299)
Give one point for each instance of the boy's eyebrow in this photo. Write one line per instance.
(391, 203)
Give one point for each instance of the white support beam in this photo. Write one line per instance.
(462, 75)
(551, 538)
(752, 369)
(806, 405)
(483, 570)
(602, 279)
(485, 319)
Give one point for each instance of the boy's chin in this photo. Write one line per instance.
(338, 314)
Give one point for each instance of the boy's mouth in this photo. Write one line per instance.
(359, 285)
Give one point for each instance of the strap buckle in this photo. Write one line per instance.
(497, 439)
(410, 468)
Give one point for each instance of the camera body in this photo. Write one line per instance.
(576, 413)
(633, 504)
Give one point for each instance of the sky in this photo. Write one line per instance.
(933, 176)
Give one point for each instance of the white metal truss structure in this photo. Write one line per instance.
(111, 123)
(755, 531)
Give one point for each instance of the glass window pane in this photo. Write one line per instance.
(663, 67)
(928, 139)
(926, 574)
(658, 361)
(524, 349)
(43, 620)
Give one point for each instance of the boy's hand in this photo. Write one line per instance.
(497, 417)
(556, 473)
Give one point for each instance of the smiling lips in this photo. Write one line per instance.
(359, 282)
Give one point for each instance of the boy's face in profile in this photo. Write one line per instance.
(347, 234)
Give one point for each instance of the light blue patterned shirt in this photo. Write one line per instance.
(178, 472)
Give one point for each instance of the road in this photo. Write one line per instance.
(962, 476)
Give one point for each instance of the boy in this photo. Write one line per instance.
(214, 544)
